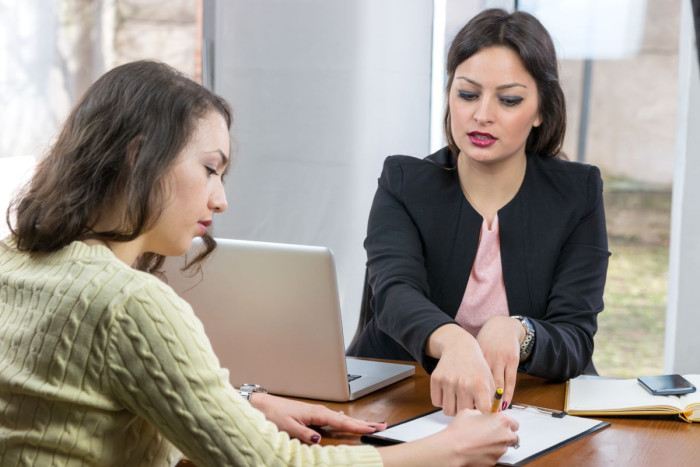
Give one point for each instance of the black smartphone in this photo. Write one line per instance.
(665, 385)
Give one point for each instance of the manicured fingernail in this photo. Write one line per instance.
(315, 439)
(504, 406)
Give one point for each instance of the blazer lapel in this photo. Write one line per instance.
(514, 246)
(465, 242)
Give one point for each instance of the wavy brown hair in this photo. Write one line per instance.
(115, 149)
(525, 35)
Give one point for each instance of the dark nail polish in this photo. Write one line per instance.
(315, 439)
(504, 406)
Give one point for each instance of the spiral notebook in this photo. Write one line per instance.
(541, 431)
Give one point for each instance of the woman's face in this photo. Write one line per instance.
(196, 189)
(493, 106)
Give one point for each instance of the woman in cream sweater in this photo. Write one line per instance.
(101, 363)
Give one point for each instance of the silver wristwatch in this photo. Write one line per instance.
(529, 341)
(247, 389)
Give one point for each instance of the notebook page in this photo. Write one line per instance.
(693, 397)
(595, 394)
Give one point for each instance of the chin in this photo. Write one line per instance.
(177, 249)
(481, 158)
(488, 158)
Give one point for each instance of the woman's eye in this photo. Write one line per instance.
(211, 171)
(511, 101)
(467, 95)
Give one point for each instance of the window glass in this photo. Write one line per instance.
(619, 70)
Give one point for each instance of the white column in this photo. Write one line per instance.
(682, 349)
(322, 91)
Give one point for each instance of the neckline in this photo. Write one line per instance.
(508, 204)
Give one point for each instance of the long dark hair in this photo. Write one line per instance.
(114, 149)
(525, 35)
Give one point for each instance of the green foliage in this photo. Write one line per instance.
(630, 339)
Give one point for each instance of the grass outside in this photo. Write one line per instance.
(630, 339)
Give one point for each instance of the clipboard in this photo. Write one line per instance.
(541, 431)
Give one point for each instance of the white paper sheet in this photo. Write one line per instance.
(538, 431)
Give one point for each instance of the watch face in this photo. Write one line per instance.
(252, 388)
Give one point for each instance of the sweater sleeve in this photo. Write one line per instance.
(162, 368)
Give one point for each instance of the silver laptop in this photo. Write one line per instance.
(272, 314)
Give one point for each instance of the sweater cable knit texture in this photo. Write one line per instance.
(101, 364)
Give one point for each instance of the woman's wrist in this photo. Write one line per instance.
(425, 451)
(507, 327)
(522, 334)
(260, 400)
(527, 339)
(448, 337)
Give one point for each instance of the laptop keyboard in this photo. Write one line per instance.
(353, 377)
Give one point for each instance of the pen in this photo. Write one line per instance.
(496, 400)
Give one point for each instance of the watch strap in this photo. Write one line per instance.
(246, 390)
(529, 341)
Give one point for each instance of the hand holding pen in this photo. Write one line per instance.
(496, 407)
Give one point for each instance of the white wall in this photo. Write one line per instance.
(683, 313)
(322, 91)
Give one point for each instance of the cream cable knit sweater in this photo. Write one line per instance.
(101, 364)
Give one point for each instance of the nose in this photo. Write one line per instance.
(217, 201)
(483, 113)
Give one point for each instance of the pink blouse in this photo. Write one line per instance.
(485, 295)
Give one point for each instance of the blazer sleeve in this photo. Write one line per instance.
(397, 269)
(564, 336)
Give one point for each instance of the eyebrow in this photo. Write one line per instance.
(502, 86)
(224, 159)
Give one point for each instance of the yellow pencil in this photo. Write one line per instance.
(496, 400)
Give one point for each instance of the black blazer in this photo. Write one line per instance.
(423, 236)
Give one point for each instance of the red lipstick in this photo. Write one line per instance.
(482, 140)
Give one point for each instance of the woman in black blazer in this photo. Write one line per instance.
(502, 172)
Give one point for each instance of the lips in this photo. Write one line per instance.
(203, 226)
(482, 140)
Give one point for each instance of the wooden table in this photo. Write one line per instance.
(634, 441)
